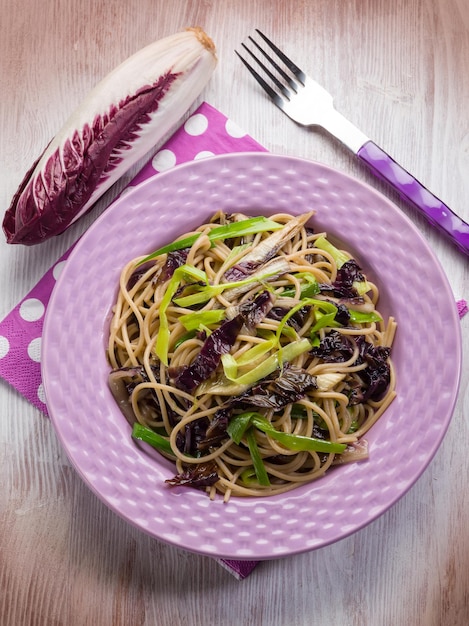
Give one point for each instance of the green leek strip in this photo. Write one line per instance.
(339, 257)
(324, 320)
(327, 319)
(361, 286)
(231, 365)
(285, 319)
(239, 424)
(248, 477)
(289, 332)
(326, 308)
(315, 340)
(202, 295)
(250, 226)
(360, 317)
(311, 288)
(192, 321)
(298, 412)
(149, 436)
(234, 252)
(162, 340)
(190, 335)
(325, 315)
(205, 293)
(288, 353)
(257, 461)
(297, 443)
(256, 352)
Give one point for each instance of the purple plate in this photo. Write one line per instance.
(427, 355)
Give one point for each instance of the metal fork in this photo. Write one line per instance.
(308, 104)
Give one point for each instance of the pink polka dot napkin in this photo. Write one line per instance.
(206, 133)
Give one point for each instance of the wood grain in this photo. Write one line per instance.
(398, 71)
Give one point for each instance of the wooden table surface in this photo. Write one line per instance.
(400, 71)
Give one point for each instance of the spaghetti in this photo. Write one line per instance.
(251, 353)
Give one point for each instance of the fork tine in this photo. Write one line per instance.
(282, 73)
(288, 62)
(272, 77)
(259, 79)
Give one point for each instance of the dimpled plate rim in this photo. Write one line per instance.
(130, 479)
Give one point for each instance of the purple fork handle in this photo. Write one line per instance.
(436, 212)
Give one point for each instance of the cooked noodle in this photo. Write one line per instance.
(331, 410)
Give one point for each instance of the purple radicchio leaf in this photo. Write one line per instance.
(50, 199)
(201, 434)
(375, 378)
(194, 432)
(275, 393)
(197, 475)
(138, 273)
(343, 314)
(216, 431)
(119, 122)
(343, 286)
(173, 260)
(377, 374)
(218, 343)
(243, 269)
(334, 348)
(254, 311)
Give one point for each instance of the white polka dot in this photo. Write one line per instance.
(31, 310)
(234, 130)
(34, 350)
(4, 347)
(203, 155)
(41, 394)
(164, 160)
(196, 125)
(58, 267)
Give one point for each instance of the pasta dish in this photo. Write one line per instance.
(251, 353)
